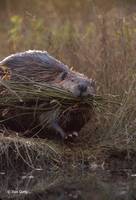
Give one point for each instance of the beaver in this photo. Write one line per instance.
(40, 66)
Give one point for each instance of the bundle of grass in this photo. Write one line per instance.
(31, 107)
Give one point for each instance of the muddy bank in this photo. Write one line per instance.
(30, 153)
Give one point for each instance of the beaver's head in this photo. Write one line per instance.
(78, 84)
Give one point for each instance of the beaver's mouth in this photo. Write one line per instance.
(80, 94)
(83, 96)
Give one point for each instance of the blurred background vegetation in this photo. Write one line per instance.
(96, 37)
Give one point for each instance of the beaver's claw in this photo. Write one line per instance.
(75, 133)
(71, 135)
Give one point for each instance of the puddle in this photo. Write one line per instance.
(68, 185)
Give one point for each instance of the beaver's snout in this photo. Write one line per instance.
(82, 89)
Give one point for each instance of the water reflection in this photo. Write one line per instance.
(40, 184)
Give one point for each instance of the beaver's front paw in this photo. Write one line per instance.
(64, 135)
(71, 135)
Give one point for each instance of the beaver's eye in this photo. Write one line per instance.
(63, 76)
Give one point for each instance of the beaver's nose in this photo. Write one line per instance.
(82, 87)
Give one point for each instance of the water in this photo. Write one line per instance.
(68, 185)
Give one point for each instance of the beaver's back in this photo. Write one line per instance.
(39, 66)
(32, 64)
